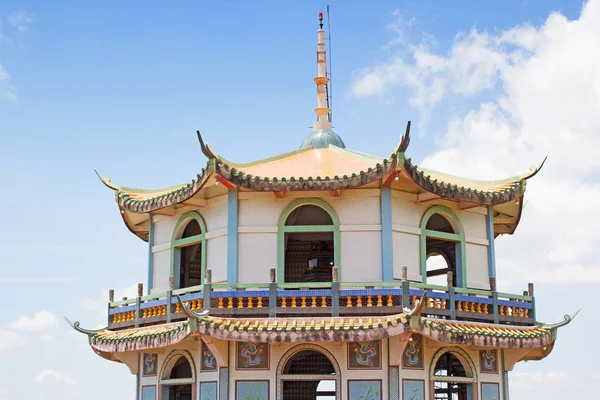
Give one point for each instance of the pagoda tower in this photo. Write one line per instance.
(322, 273)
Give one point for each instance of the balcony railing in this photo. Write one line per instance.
(324, 299)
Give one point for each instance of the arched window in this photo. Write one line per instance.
(188, 251)
(308, 372)
(178, 377)
(309, 237)
(442, 247)
(452, 375)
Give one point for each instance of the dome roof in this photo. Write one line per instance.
(321, 139)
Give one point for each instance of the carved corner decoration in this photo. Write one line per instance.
(206, 150)
(76, 325)
(567, 320)
(188, 312)
(405, 141)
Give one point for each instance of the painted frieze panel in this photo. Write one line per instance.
(150, 364)
(148, 392)
(208, 390)
(490, 391)
(252, 390)
(364, 390)
(412, 358)
(488, 361)
(207, 359)
(363, 355)
(252, 355)
(413, 389)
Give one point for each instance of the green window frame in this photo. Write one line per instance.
(177, 243)
(282, 229)
(458, 238)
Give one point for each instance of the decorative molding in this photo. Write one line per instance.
(462, 356)
(217, 233)
(258, 229)
(360, 228)
(459, 237)
(177, 243)
(282, 229)
(169, 363)
(296, 349)
(406, 229)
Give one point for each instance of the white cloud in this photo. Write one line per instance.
(55, 376)
(39, 322)
(547, 100)
(4, 394)
(96, 308)
(9, 341)
(6, 89)
(20, 19)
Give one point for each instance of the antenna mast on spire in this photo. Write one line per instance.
(329, 86)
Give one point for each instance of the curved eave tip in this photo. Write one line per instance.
(107, 181)
(566, 321)
(535, 169)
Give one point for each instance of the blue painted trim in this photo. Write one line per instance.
(387, 253)
(224, 381)
(491, 245)
(150, 283)
(394, 381)
(139, 373)
(505, 394)
(232, 236)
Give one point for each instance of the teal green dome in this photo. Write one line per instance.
(321, 139)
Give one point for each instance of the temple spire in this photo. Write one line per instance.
(321, 80)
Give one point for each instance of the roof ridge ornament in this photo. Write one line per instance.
(107, 181)
(566, 321)
(417, 309)
(533, 170)
(404, 140)
(76, 325)
(188, 312)
(206, 150)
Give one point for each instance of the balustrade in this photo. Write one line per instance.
(334, 299)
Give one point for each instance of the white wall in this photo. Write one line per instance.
(406, 252)
(360, 225)
(477, 267)
(215, 217)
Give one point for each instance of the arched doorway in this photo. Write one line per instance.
(188, 251)
(309, 238)
(308, 372)
(442, 247)
(452, 376)
(178, 377)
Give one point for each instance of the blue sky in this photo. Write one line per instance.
(122, 89)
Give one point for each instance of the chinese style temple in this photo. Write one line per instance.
(323, 273)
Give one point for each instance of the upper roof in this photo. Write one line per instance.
(323, 165)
